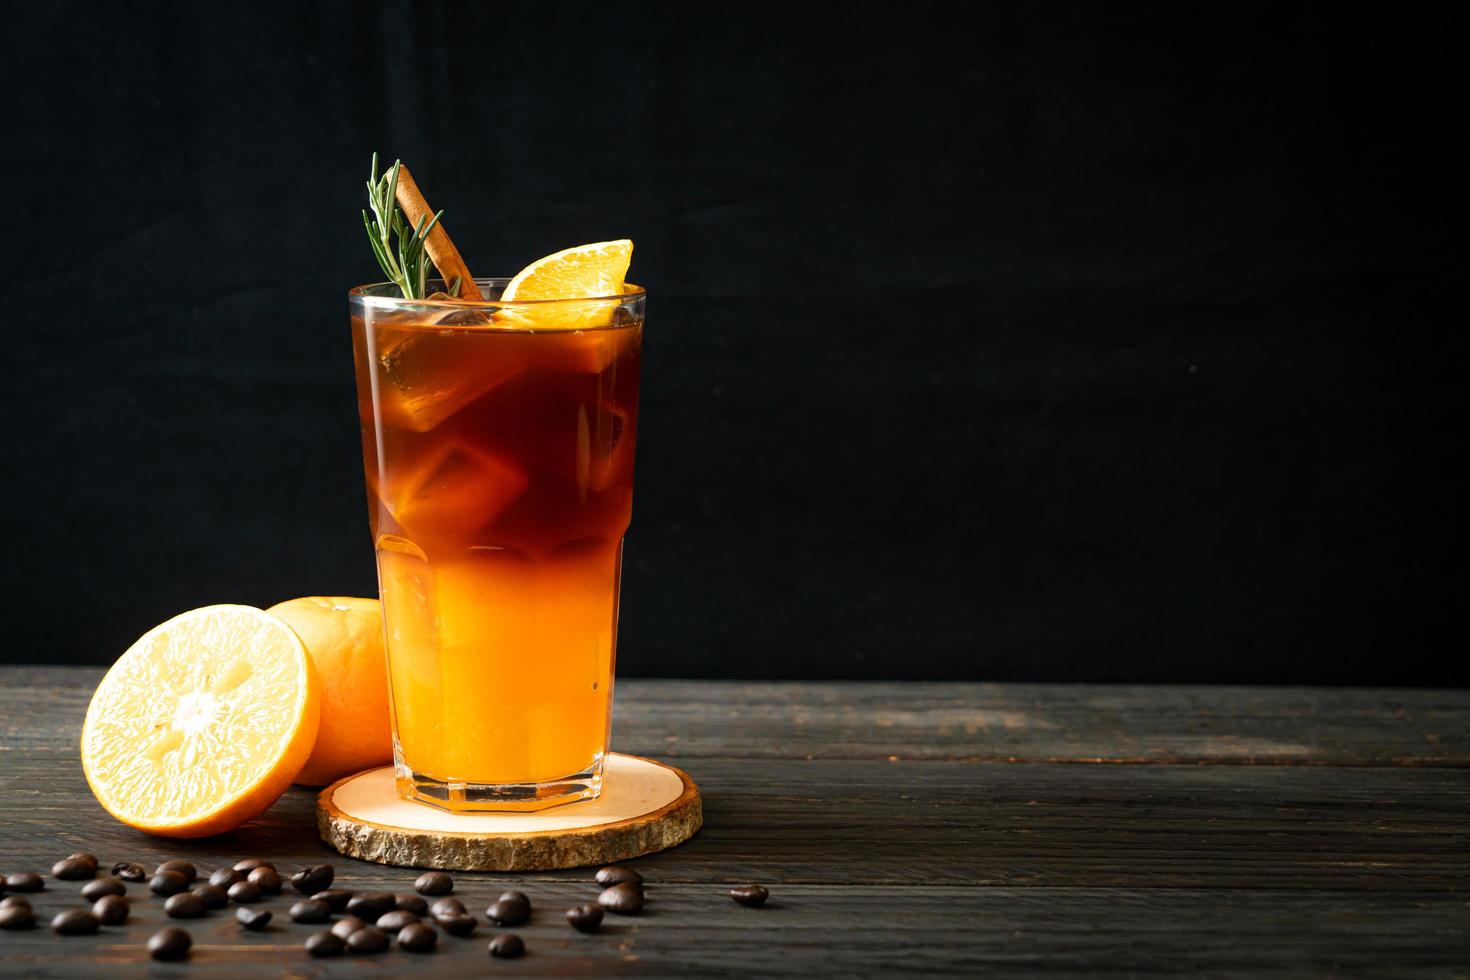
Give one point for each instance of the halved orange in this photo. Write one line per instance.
(591, 272)
(203, 722)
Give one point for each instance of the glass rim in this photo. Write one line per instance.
(361, 294)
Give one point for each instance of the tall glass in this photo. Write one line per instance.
(498, 444)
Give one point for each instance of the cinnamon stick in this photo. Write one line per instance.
(446, 257)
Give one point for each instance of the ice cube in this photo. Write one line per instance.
(427, 378)
(457, 489)
(599, 439)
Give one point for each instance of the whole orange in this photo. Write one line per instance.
(344, 636)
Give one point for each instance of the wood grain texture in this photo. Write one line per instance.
(984, 722)
(934, 862)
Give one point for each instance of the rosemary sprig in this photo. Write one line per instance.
(399, 248)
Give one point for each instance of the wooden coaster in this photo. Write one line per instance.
(645, 806)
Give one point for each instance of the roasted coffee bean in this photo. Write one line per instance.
(112, 910)
(20, 900)
(368, 940)
(268, 878)
(129, 871)
(245, 892)
(98, 887)
(168, 883)
(405, 902)
(347, 925)
(458, 924)
(515, 896)
(446, 906)
(213, 896)
(585, 918)
(78, 867)
(253, 919)
(750, 895)
(16, 916)
(508, 912)
(310, 880)
(434, 883)
(624, 899)
(417, 938)
(185, 868)
(507, 946)
(24, 881)
(396, 920)
(616, 874)
(170, 944)
(311, 910)
(186, 905)
(324, 944)
(75, 922)
(225, 877)
(370, 905)
(250, 864)
(336, 899)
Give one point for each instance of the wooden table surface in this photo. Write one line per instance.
(970, 829)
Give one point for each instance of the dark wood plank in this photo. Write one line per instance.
(961, 722)
(928, 823)
(691, 930)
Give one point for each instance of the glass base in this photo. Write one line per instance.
(458, 796)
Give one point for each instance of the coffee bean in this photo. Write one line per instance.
(446, 906)
(225, 877)
(324, 943)
(253, 919)
(750, 896)
(268, 878)
(168, 883)
(508, 912)
(458, 924)
(16, 916)
(616, 874)
(186, 905)
(75, 922)
(111, 909)
(396, 920)
(624, 899)
(185, 868)
(25, 881)
(98, 887)
(129, 871)
(417, 938)
(370, 905)
(311, 910)
(310, 880)
(250, 864)
(170, 944)
(368, 940)
(78, 867)
(434, 883)
(515, 896)
(15, 900)
(410, 903)
(245, 892)
(213, 896)
(336, 899)
(507, 946)
(347, 925)
(585, 918)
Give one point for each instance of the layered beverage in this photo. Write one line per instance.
(498, 441)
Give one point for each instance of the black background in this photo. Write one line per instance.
(1057, 342)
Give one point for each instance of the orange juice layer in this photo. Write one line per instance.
(501, 667)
